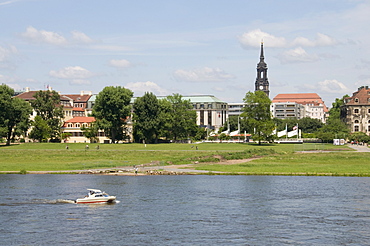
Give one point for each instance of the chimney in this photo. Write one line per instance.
(82, 93)
(27, 89)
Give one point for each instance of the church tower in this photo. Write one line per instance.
(262, 83)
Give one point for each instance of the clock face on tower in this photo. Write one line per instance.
(261, 87)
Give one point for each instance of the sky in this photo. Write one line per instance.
(190, 47)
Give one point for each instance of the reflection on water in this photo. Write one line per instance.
(185, 210)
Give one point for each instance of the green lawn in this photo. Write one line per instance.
(332, 163)
(276, 158)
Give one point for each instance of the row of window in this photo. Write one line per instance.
(357, 121)
(80, 134)
(357, 128)
(357, 111)
(77, 125)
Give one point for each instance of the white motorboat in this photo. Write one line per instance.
(96, 196)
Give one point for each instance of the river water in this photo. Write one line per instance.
(185, 210)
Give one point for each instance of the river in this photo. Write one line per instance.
(185, 210)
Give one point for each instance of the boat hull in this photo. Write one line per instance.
(88, 200)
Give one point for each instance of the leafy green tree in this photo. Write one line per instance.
(334, 127)
(47, 106)
(183, 121)
(91, 132)
(146, 118)
(335, 111)
(359, 137)
(282, 124)
(40, 130)
(66, 135)
(309, 125)
(14, 115)
(257, 112)
(111, 111)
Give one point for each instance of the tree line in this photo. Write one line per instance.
(153, 119)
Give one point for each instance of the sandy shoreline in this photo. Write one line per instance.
(187, 169)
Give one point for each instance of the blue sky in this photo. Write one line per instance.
(191, 47)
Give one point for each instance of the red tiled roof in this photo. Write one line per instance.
(78, 98)
(301, 98)
(27, 95)
(362, 96)
(78, 109)
(81, 119)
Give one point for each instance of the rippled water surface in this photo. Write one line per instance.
(185, 210)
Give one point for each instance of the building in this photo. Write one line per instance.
(79, 103)
(299, 105)
(211, 111)
(285, 110)
(262, 83)
(74, 125)
(356, 110)
(235, 109)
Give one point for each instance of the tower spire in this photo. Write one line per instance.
(262, 58)
(262, 83)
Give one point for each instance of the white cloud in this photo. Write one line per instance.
(5, 53)
(8, 2)
(141, 87)
(42, 36)
(254, 38)
(108, 47)
(80, 82)
(120, 63)
(330, 86)
(205, 74)
(81, 37)
(297, 55)
(321, 40)
(76, 72)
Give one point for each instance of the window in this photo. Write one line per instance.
(356, 100)
(77, 125)
(356, 121)
(357, 128)
(70, 125)
(356, 111)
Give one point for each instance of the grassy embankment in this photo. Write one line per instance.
(275, 159)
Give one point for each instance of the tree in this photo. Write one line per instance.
(309, 125)
(334, 127)
(111, 111)
(359, 137)
(47, 106)
(14, 115)
(146, 118)
(183, 118)
(91, 132)
(257, 112)
(40, 130)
